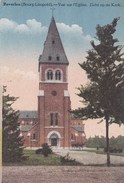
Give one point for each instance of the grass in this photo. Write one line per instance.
(38, 159)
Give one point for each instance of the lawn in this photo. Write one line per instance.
(39, 159)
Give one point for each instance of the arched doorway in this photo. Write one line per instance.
(54, 139)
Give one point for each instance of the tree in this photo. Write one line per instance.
(103, 97)
(12, 145)
(96, 142)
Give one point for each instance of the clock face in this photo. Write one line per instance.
(54, 93)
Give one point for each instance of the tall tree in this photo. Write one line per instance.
(103, 97)
(12, 145)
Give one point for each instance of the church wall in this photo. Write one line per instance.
(77, 138)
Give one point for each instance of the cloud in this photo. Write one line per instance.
(36, 26)
(31, 26)
(7, 25)
(22, 28)
(70, 29)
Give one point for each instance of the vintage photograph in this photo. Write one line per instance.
(62, 91)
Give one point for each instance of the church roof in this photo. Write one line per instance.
(78, 128)
(53, 51)
(28, 114)
(25, 128)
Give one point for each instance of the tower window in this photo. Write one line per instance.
(58, 75)
(54, 93)
(49, 75)
(49, 58)
(53, 42)
(57, 58)
(56, 119)
(51, 119)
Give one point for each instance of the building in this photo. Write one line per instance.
(52, 122)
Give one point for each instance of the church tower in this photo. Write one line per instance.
(53, 98)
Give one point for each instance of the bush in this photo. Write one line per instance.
(113, 150)
(46, 150)
(67, 159)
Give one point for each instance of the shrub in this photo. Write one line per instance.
(46, 150)
(67, 159)
(113, 150)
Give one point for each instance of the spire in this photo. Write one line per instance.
(53, 51)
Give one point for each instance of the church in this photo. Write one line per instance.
(52, 123)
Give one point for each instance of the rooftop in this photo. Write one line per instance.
(28, 114)
(78, 128)
(25, 128)
(53, 52)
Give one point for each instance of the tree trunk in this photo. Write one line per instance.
(107, 142)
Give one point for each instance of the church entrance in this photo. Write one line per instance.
(54, 140)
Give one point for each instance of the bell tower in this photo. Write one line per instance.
(53, 99)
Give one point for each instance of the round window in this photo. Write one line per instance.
(54, 93)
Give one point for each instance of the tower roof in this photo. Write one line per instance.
(53, 51)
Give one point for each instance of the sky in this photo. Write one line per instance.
(23, 29)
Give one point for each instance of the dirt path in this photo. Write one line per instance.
(57, 174)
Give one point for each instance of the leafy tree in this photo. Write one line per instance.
(96, 142)
(120, 142)
(12, 145)
(104, 66)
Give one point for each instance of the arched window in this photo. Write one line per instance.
(56, 119)
(57, 75)
(51, 119)
(49, 58)
(53, 42)
(49, 74)
(57, 58)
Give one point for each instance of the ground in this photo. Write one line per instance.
(63, 174)
(69, 174)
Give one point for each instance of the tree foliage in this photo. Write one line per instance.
(12, 145)
(104, 66)
(96, 142)
(100, 142)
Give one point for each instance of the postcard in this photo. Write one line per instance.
(42, 44)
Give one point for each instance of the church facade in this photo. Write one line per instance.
(52, 123)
